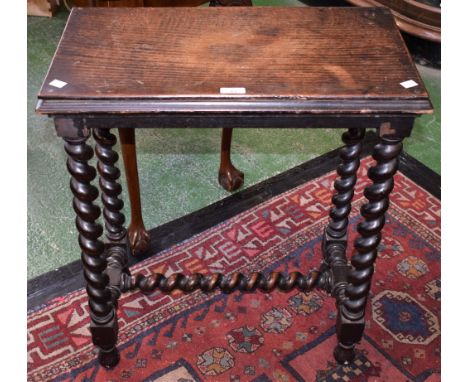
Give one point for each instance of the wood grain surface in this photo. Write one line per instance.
(275, 53)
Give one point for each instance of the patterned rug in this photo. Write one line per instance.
(265, 337)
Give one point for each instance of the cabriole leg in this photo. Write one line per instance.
(229, 177)
(350, 321)
(102, 311)
(137, 235)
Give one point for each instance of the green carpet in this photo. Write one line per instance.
(178, 167)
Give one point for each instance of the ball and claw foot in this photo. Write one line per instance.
(344, 355)
(109, 358)
(230, 178)
(139, 239)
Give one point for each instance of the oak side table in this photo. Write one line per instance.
(344, 68)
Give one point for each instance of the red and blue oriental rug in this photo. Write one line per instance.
(264, 337)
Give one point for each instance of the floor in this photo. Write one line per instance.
(178, 168)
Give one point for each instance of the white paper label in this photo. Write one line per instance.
(232, 90)
(57, 84)
(408, 84)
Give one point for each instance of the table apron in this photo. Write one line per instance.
(399, 125)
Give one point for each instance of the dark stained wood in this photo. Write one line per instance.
(352, 304)
(233, 106)
(229, 177)
(335, 240)
(102, 310)
(137, 234)
(416, 17)
(345, 182)
(286, 54)
(111, 189)
(237, 281)
(401, 124)
(68, 278)
(334, 68)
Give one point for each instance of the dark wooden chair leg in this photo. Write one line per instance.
(229, 177)
(104, 326)
(137, 235)
(350, 320)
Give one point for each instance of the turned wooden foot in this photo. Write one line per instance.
(344, 355)
(138, 237)
(229, 177)
(109, 359)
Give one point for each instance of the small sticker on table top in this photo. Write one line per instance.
(232, 90)
(408, 84)
(57, 84)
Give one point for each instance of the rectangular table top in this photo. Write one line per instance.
(257, 59)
